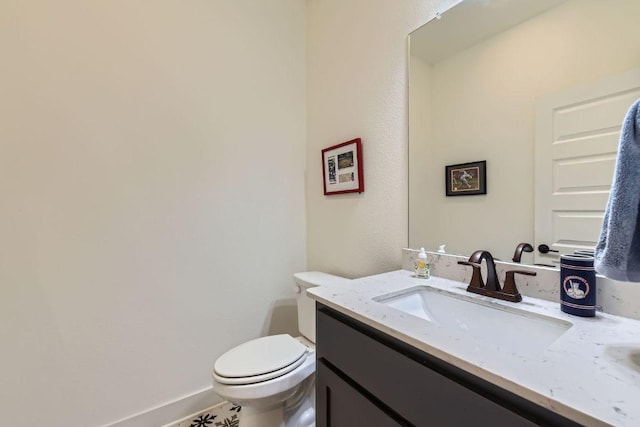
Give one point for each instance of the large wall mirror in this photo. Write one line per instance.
(478, 77)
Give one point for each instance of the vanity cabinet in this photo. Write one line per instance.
(368, 378)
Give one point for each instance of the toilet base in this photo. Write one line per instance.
(296, 411)
(256, 417)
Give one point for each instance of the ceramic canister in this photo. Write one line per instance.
(577, 285)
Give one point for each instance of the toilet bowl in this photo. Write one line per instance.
(273, 377)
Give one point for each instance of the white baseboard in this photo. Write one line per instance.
(171, 413)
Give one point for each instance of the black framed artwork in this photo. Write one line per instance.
(466, 179)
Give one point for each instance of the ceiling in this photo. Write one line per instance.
(480, 19)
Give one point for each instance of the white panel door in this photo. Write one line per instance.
(577, 135)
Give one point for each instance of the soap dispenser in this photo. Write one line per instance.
(422, 267)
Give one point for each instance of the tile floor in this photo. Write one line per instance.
(223, 415)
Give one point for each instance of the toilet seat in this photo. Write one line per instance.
(258, 360)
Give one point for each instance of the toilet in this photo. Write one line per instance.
(273, 377)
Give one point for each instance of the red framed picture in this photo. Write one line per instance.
(342, 168)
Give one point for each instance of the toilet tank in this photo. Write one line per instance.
(306, 305)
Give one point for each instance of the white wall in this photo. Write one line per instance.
(483, 107)
(420, 175)
(152, 156)
(357, 74)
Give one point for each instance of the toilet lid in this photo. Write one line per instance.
(260, 359)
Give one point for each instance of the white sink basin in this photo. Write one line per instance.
(496, 324)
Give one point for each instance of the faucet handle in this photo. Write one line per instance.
(476, 278)
(510, 283)
(472, 264)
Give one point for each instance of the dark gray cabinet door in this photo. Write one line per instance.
(338, 404)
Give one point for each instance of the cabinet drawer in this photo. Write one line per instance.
(415, 391)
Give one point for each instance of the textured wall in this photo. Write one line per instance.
(153, 210)
(357, 87)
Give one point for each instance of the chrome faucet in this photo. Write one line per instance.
(491, 287)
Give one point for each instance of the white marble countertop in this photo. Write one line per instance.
(591, 374)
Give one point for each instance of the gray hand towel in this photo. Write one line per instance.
(618, 250)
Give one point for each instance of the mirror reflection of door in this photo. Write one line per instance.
(577, 136)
